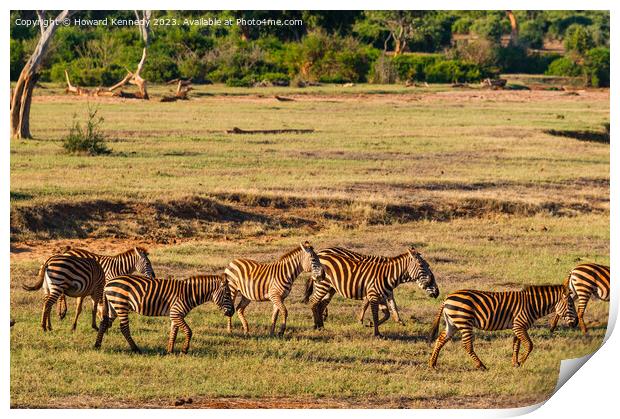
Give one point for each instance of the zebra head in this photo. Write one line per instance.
(310, 261)
(565, 308)
(143, 264)
(420, 272)
(222, 297)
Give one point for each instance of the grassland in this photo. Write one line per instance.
(469, 176)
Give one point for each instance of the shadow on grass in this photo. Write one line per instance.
(590, 136)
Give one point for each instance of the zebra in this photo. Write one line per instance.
(134, 259)
(585, 281)
(70, 275)
(161, 297)
(270, 282)
(387, 305)
(372, 279)
(516, 310)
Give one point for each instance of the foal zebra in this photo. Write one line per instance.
(161, 297)
(70, 275)
(585, 281)
(135, 259)
(516, 310)
(374, 280)
(270, 281)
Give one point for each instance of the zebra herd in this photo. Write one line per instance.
(116, 291)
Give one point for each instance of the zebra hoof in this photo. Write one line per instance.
(482, 367)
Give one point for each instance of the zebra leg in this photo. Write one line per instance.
(180, 322)
(553, 323)
(582, 303)
(391, 303)
(467, 337)
(516, 345)
(319, 305)
(521, 333)
(365, 305)
(274, 319)
(279, 307)
(374, 307)
(174, 329)
(62, 307)
(49, 301)
(107, 318)
(240, 312)
(78, 310)
(94, 315)
(124, 324)
(233, 295)
(443, 337)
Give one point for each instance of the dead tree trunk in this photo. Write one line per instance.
(514, 27)
(22, 93)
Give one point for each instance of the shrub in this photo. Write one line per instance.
(83, 72)
(451, 71)
(578, 38)
(516, 59)
(564, 67)
(597, 67)
(413, 66)
(489, 27)
(531, 34)
(17, 58)
(89, 140)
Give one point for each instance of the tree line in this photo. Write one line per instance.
(330, 46)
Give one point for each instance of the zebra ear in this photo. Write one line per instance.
(306, 246)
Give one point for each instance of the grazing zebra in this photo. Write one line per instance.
(585, 281)
(135, 259)
(516, 310)
(270, 281)
(388, 305)
(372, 279)
(161, 297)
(70, 275)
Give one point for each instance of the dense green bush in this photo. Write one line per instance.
(597, 66)
(532, 34)
(516, 59)
(578, 39)
(452, 71)
(413, 66)
(84, 72)
(17, 58)
(564, 66)
(489, 27)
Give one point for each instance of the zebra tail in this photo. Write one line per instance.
(435, 328)
(309, 289)
(40, 279)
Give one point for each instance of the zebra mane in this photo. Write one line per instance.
(289, 254)
(142, 249)
(531, 288)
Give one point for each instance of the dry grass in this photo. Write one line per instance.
(468, 176)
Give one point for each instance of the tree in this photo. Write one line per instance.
(401, 25)
(514, 27)
(21, 97)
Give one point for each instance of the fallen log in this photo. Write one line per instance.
(236, 130)
(284, 99)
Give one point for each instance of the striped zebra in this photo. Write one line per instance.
(387, 306)
(516, 310)
(585, 281)
(270, 282)
(374, 280)
(68, 275)
(161, 297)
(132, 260)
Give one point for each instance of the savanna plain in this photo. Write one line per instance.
(478, 180)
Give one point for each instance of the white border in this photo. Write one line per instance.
(591, 392)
